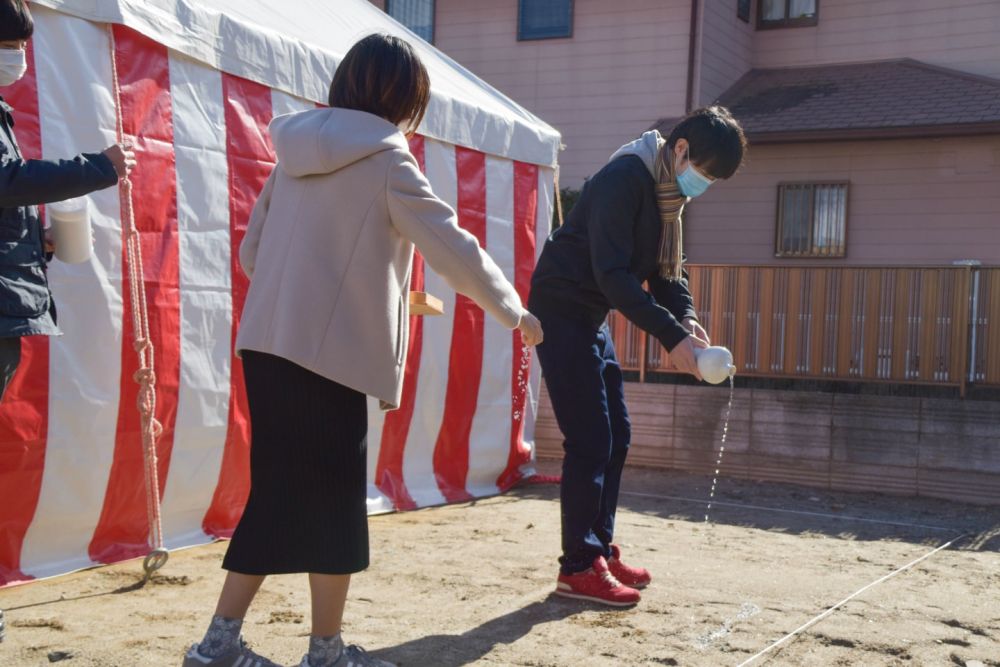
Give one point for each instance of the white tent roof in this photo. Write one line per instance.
(295, 45)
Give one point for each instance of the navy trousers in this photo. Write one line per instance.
(585, 386)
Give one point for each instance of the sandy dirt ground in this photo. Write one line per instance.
(470, 584)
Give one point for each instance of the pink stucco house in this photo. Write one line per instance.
(852, 265)
(885, 114)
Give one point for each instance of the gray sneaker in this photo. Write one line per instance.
(353, 656)
(239, 656)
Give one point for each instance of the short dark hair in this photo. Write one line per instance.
(15, 21)
(715, 140)
(383, 75)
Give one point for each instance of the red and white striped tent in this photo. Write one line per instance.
(199, 83)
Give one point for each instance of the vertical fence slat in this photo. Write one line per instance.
(960, 328)
(899, 323)
(991, 332)
(716, 298)
(766, 321)
(845, 347)
(817, 344)
(793, 323)
(834, 279)
(779, 320)
(741, 340)
(870, 326)
(927, 321)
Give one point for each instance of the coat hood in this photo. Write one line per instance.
(322, 141)
(646, 147)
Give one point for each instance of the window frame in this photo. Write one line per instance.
(780, 220)
(569, 35)
(740, 5)
(786, 22)
(388, 6)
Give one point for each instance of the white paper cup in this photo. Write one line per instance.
(71, 229)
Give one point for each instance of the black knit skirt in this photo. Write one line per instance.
(308, 467)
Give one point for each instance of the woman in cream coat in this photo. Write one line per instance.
(329, 249)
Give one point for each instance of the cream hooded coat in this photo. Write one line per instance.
(329, 248)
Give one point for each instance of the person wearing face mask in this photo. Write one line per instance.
(26, 305)
(624, 231)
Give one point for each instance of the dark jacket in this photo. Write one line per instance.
(605, 251)
(26, 305)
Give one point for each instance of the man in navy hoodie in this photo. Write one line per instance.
(623, 233)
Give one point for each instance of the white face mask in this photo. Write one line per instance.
(13, 65)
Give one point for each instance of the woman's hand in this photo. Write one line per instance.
(531, 329)
(682, 356)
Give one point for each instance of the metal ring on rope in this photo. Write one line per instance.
(154, 560)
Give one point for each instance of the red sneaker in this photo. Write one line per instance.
(636, 577)
(597, 585)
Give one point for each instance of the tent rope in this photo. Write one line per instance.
(145, 377)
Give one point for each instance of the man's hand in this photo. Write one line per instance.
(682, 356)
(695, 329)
(122, 157)
(531, 329)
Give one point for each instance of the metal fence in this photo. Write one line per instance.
(907, 325)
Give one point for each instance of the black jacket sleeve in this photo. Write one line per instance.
(675, 296)
(33, 182)
(614, 203)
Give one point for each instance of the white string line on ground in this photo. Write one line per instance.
(842, 517)
(834, 608)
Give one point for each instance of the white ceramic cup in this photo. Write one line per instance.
(71, 229)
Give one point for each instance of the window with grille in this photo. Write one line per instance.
(787, 13)
(417, 15)
(544, 19)
(812, 220)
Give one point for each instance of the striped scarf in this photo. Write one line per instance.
(670, 202)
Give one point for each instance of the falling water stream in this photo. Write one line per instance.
(521, 386)
(722, 447)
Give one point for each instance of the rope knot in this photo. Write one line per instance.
(145, 376)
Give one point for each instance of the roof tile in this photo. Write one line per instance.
(895, 94)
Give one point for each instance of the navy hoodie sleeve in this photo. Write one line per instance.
(674, 295)
(33, 182)
(614, 203)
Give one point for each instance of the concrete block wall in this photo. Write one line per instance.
(931, 447)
